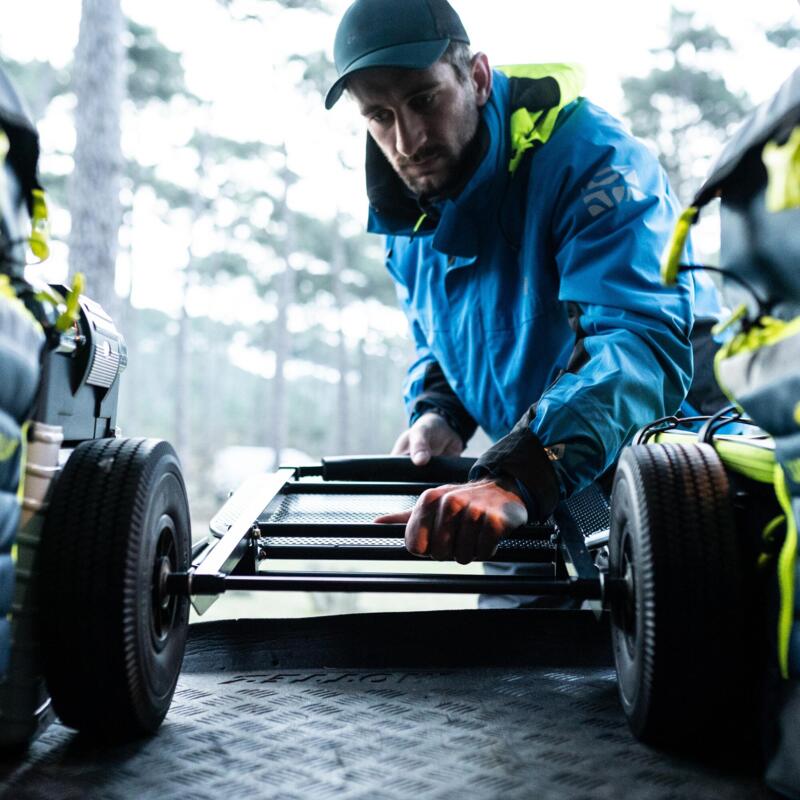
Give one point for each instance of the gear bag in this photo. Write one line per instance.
(757, 178)
(21, 336)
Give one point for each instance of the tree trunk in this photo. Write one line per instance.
(99, 83)
(366, 404)
(182, 407)
(183, 359)
(342, 419)
(279, 419)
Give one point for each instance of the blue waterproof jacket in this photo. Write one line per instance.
(533, 294)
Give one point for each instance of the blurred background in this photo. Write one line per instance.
(218, 211)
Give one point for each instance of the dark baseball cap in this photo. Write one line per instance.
(412, 34)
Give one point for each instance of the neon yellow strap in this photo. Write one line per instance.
(7, 292)
(749, 456)
(40, 223)
(419, 223)
(786, 568)
(6, 289)
(50, 296)
(783, 173)
(22, 460)
(768, 537)
(793, 468)
(739, 313)
(8, 446)
(40, 226)
(768, 534)
(68, 307)
(21, 485)
(671, 260)
(70, 314)
(768, 331)
(750, 460)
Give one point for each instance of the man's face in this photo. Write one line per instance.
(422, 120)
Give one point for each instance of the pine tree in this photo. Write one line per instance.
(685, 109)
(95, 210)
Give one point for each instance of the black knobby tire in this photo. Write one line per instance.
(113, 640)
(679, 632)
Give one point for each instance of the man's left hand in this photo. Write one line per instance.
(461, 521)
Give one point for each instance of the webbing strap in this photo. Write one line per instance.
(671, 259)
(40, 226)
(68, 307)
(783, 173)
(787, 561)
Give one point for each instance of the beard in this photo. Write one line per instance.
(430, 172)
(435, 169)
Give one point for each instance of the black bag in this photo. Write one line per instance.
(21, 336)
(757, 178)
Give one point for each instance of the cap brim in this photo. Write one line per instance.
(415, 55)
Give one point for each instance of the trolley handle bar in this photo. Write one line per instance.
(195, 585)
(440, 469)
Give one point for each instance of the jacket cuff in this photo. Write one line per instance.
(521, 458)
(456, 417)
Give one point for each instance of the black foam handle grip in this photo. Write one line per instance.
(440, 469)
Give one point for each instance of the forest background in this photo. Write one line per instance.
(218, 211)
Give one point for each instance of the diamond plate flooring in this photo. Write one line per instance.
(441, 705)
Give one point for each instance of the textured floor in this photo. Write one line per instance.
(438, 705)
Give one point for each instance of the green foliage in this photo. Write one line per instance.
(248, 9)
(684, 35)
(706, 94)
(221, 148)
(319, 72)
(227, 403)
(687, 110)
(154, 71)
(56, 188)
(786, 35)
(225, 265)
(684, 110)
(38, 82)
(253, 234)
(175, 195)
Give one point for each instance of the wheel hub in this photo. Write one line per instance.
(628, 609)
(164, 604)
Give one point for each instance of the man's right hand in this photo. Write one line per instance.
(429, 436)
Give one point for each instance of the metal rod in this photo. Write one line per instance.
(194, 584)
(597, 539)
(276, 549)
(371, 530)
(198, 548)
(331, 530)
(236, 517)
(234, 523)
(355, 488)
(577, 559)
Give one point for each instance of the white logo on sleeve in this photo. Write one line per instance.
(611, 187)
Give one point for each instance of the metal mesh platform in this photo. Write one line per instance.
(291, 515)
(484, 705)
(390, 544)
(590, 510)
(334, 509)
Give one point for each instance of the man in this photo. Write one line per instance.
(524, 230)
